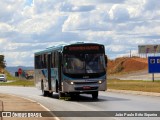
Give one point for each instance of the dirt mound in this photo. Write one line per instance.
(126, 65)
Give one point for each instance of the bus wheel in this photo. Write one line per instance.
(50, 94)
(95, 95)
(61, 95)
(44, 93)
(74, 95)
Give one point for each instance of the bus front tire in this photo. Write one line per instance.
(44, 93)
(61, 95)
(95, 95)
(50, 94)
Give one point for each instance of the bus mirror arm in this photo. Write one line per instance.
(106, 60)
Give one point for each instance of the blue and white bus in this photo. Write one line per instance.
(71, 69)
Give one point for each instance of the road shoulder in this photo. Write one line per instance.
(21, 105)
(135, 92)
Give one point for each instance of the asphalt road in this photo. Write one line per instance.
(108, 101)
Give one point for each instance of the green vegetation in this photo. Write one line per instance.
(15, 81)
(24, 83)
(2, 62)
(135, 85)
(10, 77)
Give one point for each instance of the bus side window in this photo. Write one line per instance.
(53, 59)
(45, 61)
(56, 59)
(41, 64)
(36, 61)
(46, 57)
(42, 61)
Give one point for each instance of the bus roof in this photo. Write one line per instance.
(47, 50)
(59, 48)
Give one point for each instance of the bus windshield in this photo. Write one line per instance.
(83, 63)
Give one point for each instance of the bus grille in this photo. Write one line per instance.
(79, 83)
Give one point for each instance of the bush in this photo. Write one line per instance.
(2, 62)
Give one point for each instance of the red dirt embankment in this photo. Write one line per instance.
(126, 65)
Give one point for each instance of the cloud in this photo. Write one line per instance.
(119, 13)
(3, 43)
(43, 6)
(27, 26)
(96, 1)
(95, 20)
(19, 58)
(68, 7)
(9, 8)
(152, 5)
(5, 27)
(29, 2)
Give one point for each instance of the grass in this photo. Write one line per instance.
(135, 85)
(10, 77)
(15, 81)
(18, 83)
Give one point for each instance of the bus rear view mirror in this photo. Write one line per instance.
(106, 60)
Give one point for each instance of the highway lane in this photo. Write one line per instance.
(108, 101)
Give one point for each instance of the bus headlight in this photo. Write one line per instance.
(99, 81)
(71, 83)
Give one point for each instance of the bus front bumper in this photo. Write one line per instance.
(83, 85)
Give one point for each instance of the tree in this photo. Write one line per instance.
(2, 62)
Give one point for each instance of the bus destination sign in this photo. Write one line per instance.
(89, 48)
(83, 48)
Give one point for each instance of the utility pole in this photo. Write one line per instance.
(152, 77)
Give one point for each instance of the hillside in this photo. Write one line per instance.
(127, 65)
(14, 69)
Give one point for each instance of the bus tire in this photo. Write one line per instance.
(95, 95)
(74, 95)
(50, 94)
(61, 95)
(44, 93)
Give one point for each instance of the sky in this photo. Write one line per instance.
(27, 26)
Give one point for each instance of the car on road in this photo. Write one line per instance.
(3, 78)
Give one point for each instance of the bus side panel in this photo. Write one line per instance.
(54, 78)
(38, 77)
(41, 75)
(103, 86)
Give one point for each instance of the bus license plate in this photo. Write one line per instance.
(86, 87)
